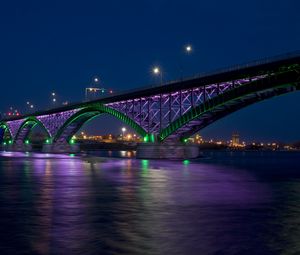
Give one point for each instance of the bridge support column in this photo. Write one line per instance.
(21, 147)
(17, 147)
(167, 151)
(6, 147)
(61, 148)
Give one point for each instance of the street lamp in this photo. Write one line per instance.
(29, 105)
(156, 71)
(53, 94)
(123, 131)
(188, 49)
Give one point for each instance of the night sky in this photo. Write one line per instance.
(61, 45)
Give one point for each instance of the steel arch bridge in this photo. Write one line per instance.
(171, 112)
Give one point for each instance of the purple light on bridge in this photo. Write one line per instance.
(156, 112)
(53, 122)
(14, 126)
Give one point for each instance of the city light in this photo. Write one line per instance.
(53, 94)
(123, 131)
(188, 48)
(156, 70)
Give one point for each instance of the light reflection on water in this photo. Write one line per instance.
(226, 203)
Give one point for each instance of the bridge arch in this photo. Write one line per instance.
(230, 101)
(4, 130)
(76, 121)
(26, 127)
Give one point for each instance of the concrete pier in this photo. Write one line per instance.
(61, 148)
(167, 151)
(17, 147)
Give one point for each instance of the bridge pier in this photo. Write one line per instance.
(167, 151)
(61, 148)
(22, 147)
(17, 147)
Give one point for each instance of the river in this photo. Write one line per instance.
(224, 203)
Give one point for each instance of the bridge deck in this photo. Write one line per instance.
(232, 73)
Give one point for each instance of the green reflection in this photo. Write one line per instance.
(145, 166)
(186, 162)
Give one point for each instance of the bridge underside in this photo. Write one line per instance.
(24, 131)
(220, 111)
(230, 101)
(72, 126)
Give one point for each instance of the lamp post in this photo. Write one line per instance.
(29, 105)
(123, 132)
(156, 71)
(53, 94)
(187, 51)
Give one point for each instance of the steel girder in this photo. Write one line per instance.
(26, 127)
(4, 131)
(155, 113)
(76, 121)
(163, 115)
(230, 101)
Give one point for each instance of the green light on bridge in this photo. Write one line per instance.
(10, 142)
(149, 138)
(72, 141)
(27, 142)
(146, 139)
(4, 143)
(47, 141)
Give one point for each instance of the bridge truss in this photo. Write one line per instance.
(172, 112)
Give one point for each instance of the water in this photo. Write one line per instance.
(225, 203)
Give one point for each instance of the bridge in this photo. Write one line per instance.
(163, 115)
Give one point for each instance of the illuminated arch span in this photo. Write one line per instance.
(74, 123)
(228, 102)
(5, 127)
(26, 128)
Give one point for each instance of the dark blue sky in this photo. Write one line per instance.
(60, 45)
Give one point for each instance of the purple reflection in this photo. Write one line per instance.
(91, 204)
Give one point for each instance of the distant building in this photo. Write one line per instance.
(235, 139)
